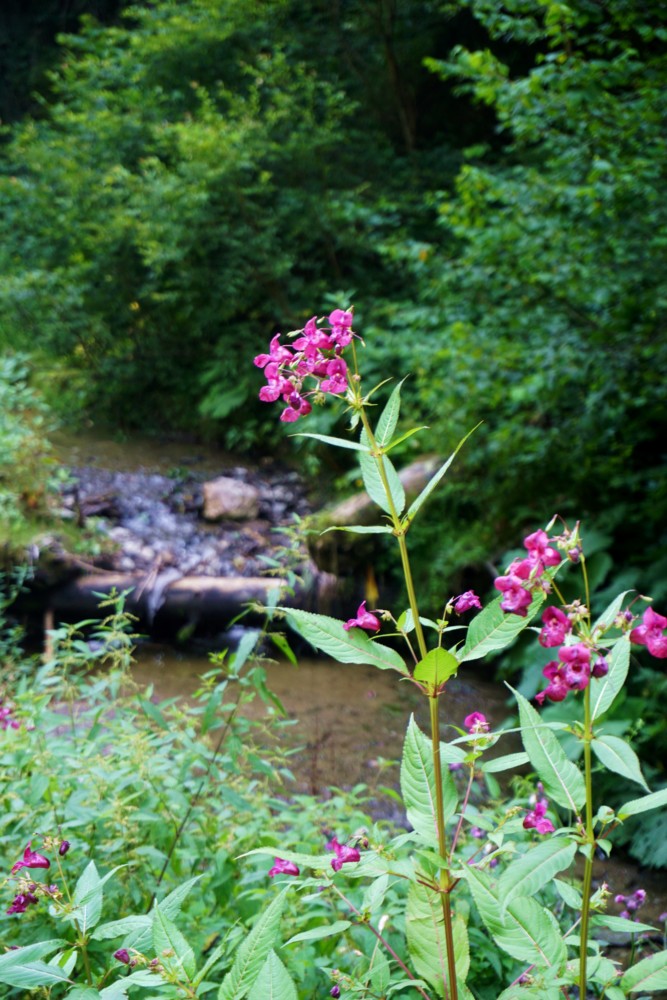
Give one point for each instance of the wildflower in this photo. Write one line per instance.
(343, 854)
(539, 550)
(64, 848)
(31, 859)
(123, 956)
(557, 688)
(282, 867)
(536, 818)
(600, 667)
(21, 902)
(516, 598)
(341, 326)
(577, 670)
(477, 833)
(631, 903)
(476, 723)
(556, 627)
(466, 601)
(364, 619)
(650, 634)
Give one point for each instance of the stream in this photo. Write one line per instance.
(349, 720)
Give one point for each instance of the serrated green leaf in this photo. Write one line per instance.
(335, 441)
(329, 636)
(618, 757)
(527, 931)
(562, 779)
(529, 873)
(418, 784)
(253, 951)
(437, 667)
(118, 928)
(361, 529)
(570, 896)
(119, 990)
(508, 762)
(28, 975)
(619, 924)
(273, 982)
(386, 425)
(418, 502)
(370, 473)
(318, 933)
(380, 973)
(141, 937)
(644, 804)
(493, 629)
(425, 934)
(609, 614)
(649, 974)
(604, 689)
(171, 947)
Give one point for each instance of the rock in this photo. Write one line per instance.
(230, 499)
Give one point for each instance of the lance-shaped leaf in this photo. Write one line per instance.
(529, 873)
(23, 968)
(618, 757)
(361, 529)
(424, 925)
(609, 614)
(321, 932)
(508, 762)
(386, 425)
(329, 636)
(89, 896)
(437, 667)
(273, 982)
(647, 802)
(604, 689)
(176, 954)
(562, 779)
(494, 629)
(527, 931)
(373, 482)
(648, 975)
(335, 441)
(433, 482)
(418, 784)
(253, 951)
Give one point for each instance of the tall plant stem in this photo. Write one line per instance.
(590, 845)
(444, 881)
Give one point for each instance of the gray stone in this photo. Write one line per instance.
(230, 499)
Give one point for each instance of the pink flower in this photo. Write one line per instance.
(516, 599)
(343, 854)
(558, 687)
(466, 601)
(122, 955)
(577, 670)
(650, 634)
(538, 547)
(556, 627)
(277, 353)
(536, 818)
(21, 902)
(364, 619)
(282, 867)
(31, 859)
(476, 723)
(341, 326)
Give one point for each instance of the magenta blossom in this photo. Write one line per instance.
(476, 723)
(31, 859)
(466, 601)
(632, 903)
(558, 688)
(536, 818)
(539, 550)
(556, 626)
(282, 867)
(343, 854)
(123, 956)
(577, 669)
(21, 902)
(365, 619)
(516, 599)
(651, 634)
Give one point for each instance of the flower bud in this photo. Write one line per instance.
(123, 956)
(64, 848)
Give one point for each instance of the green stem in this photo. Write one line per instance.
(590, 845)
(444, 881)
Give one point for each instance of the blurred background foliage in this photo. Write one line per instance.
(485, 181)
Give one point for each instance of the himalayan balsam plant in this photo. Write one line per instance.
(526, 855)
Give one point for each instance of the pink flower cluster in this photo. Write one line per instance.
(651, 633)
(316, 354)
(536, 819)
(6, 717)
(631, 903)
(525, 576)
(28, 894)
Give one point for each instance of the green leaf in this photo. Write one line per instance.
(529, 873)
(88, 898)
(253, 951)
(649, 974)
(418, 784)
(318, 933)
(494, 629)
(618, 757)
(653, 801)
(526, 930)
(562, 779)
(361, 529)
(433, 482)
(171, 947)
(508, 762)
(374, 485)
(608, 616)
(403, 437)
(329, 636)
(119, 989)
(604, 689)
(119, 928)
(283, 646)
(23, 968)
(437, 667)
(335, 441)
(273, 982)
(386, 425)
(427, 945)
(619, 924)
